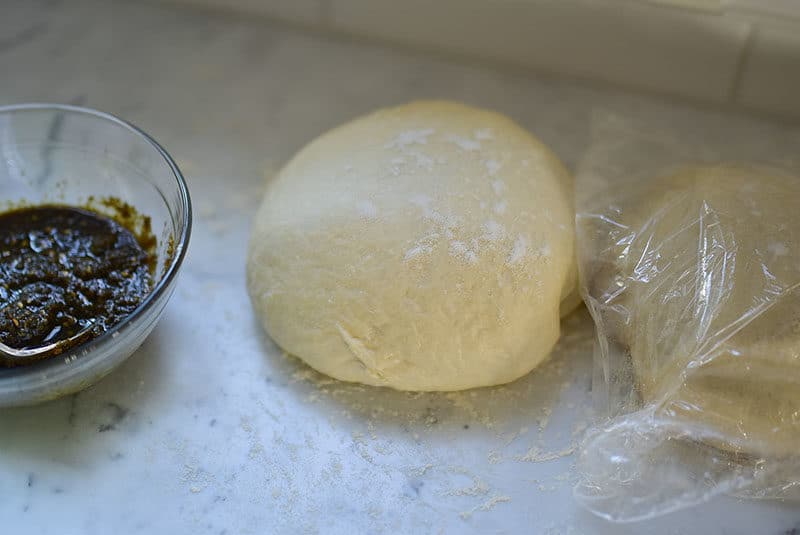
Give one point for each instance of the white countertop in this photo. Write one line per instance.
(208, 428)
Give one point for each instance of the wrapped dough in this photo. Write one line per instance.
(692, 275)
(710, 286)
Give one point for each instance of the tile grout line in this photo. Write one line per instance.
(742, 63)
(325, 15)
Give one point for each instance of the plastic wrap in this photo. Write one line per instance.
(689, 251)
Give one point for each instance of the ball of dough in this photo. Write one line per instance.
(711, 289)
(423, 247)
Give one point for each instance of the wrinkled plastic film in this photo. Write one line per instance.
(688, 242)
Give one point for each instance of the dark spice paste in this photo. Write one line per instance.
(64, 268)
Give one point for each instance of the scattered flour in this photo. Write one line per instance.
(493, 166)
(423, 160)
(461, 250)
(490, 407)
(544, 419)
(367, 209)
(478, 487)
(493, 231)
(518, 251)
(511, 437)
(483, 134)
(464, 143)
(410, 137)
(422, 246)
(536, 455)
(498, 186)
(488, 505)
(422, 201)
(778, 249)
(416, 251)
(421, 470)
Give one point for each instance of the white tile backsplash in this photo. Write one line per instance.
(770, 79)
(647, 46)
(302, 11)
(723, 51)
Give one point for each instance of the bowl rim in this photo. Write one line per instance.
(169, 274)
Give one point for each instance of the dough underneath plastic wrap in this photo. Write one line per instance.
(709, 291)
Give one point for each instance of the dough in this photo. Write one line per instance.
(423, 247)
(714, 312)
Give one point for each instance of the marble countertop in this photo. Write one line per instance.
(208, 428)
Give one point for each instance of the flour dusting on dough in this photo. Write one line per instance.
(518, 251)
(778, 249)
(423, 160)
(416, 251)
(493, 231)
(464, 143)
(391, 275)
(410, 137)
(459, 249)
(498, 186)
(483, 134)
(492, 166)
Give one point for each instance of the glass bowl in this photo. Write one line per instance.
(69, 155)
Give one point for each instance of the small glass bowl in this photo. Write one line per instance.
(68, 155)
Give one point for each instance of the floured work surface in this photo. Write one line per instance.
(208, 428)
